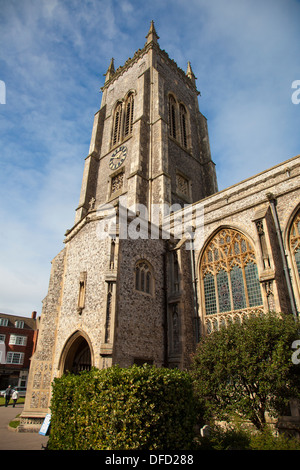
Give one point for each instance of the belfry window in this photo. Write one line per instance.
(117, 124)
(172, 117)
(178, 122)
(182, 113)
(123, 119)
(143, 277)
(129, 107)
(229, 277)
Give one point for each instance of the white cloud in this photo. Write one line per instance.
(54, 54)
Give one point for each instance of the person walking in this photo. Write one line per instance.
(15, 396)
(7, 395)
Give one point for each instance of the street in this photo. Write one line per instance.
(13, 440)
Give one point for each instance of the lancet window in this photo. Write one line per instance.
(172, 117)
(144, 281)
(123, 119)
(229, 276)
(178, 122)
(129, 107)
(182, 114)
(117, 124)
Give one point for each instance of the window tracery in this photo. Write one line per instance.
(178, 121)
(144, 281)
(229, 278)
(123, 119)
(295, 242)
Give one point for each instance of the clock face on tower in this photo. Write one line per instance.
(118, 157)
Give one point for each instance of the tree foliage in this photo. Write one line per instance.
(247, 368)
(115, 409)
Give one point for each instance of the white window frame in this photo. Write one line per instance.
(18, 340)
(3, 321)
(14, 358)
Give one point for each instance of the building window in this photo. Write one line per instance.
(229, 276)
(178, 122)
(129, 107)
(82, 292)
(182, 113)
(295, 242)
(14, 358)
(19, 324)
(2, 339)
(3, 321)
(143, 277)
(18, 340)
(117, 124)
(172, 117)
(123, 119)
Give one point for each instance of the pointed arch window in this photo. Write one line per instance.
(183, 121)
(229, 276)
(144, 281)
(117, 124)
(172, 117)
(294, 241)
(129, 108)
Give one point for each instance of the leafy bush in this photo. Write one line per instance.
(247, 369)
(114, 409)
(265, 440)
(237, 438)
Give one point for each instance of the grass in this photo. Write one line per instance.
(20, 400)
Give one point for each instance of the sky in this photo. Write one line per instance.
(53, 57)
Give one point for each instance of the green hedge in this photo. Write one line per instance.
(142, 408)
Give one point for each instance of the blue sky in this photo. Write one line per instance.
(53, 54)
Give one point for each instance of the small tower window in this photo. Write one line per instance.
(117, 124)
(172, 117)
(183, 126)
(129, 107)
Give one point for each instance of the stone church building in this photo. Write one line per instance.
(157, 257)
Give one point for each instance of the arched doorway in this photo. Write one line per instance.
(77, 355)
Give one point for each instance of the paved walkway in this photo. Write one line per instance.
(12, 440)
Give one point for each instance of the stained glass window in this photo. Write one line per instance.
(223, 291)
(229, 274)
(237, 286)
(210, 294)
(297, 259)
(253, 287)
(295, 241)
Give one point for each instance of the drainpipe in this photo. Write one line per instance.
(194, 285)
(272, 201)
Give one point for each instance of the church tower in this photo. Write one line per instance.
(118, 299)
(149, 138)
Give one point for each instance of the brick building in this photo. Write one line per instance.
(129, 286)
(18, 336)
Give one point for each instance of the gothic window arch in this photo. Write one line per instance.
(144, 280)
(129, 109)
(117, 123)
(183, 125)
(294, 244)
(172, 117)
(229, 278)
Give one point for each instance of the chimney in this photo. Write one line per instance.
(33, 315)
